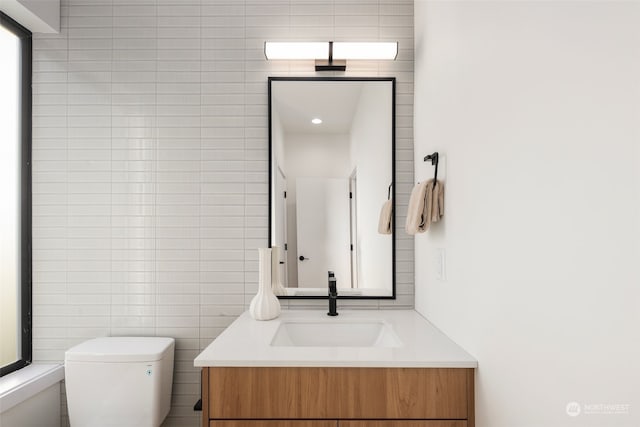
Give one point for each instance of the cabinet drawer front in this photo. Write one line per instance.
(272, 423)
(337, 393)
(379, 423)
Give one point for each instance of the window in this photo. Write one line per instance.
(15, 196)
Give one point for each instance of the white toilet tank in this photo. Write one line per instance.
(119, 381)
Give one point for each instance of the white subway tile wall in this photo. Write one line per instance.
(150, 150)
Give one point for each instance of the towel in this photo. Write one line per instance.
(384, 224)
(426, 205)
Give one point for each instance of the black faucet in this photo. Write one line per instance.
(333, 295)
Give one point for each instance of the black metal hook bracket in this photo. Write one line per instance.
(434, 158)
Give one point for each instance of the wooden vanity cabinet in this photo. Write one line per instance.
(403, 423)
(337, 397)
(342, 423)
(273, 423)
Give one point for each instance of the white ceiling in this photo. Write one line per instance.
(297, 102)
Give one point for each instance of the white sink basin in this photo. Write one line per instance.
(352, 333)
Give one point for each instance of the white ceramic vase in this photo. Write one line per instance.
(276, 280)
(265, 305)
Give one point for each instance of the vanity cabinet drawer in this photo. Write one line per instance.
(338, 393)
(275, 423)
(372, 423)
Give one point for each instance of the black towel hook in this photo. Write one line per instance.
(389, 192)
(434, 161)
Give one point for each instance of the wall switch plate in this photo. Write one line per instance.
(441, 264)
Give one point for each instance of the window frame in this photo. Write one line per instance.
(26, 277)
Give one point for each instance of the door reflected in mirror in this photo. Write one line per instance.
(331, 171)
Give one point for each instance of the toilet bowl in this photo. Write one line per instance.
(119, 381)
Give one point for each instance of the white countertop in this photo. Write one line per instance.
(247, 342)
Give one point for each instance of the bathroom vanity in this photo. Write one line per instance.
(359, 369)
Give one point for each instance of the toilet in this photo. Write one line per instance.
(119, 381)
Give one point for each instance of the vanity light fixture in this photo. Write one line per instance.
(296, 50)
(331, 56)
(316, 121)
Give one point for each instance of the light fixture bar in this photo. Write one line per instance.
(296, 50)
(331, 56)
(365, 50)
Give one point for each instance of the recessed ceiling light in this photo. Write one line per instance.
(316, 121)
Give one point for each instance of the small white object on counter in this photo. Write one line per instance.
(265, 305)
(249, 343)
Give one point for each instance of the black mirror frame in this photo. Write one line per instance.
(393, 176)
(26, 276)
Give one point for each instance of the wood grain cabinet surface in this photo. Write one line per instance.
(274, 423)
(389, 423)
(331, 423)
(352, 397)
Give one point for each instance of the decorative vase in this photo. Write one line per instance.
(276, 282)
(265, 305)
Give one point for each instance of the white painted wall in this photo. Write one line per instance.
(322, 217)
(38, 16)
(370, 138)
(310, 156)
(277, 181)
(277, 140)
(537, 107)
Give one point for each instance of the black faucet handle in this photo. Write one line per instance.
(333, 295)
(333, 287)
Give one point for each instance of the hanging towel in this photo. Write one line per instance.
(384, 224)
(437, 210)
(426, 205)
(416, 208)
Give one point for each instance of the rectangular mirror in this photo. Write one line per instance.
(331, 169)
